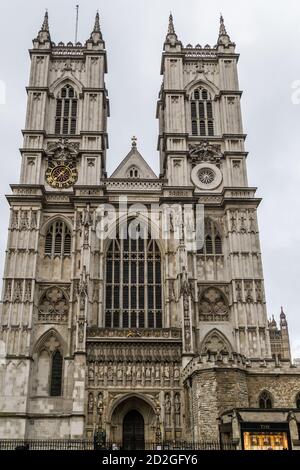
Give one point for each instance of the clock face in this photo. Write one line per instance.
(61, 174)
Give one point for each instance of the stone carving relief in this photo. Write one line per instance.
(53, 305)
(62, 150)
(94, 331)
(243, 222)
(15, 219)
(215, 344)
(248, 287)
(24, 222)
(8, 290)
(238, 290)
(213, 306)
(69, 64)
(259, 291)
(18, 291)
(133, 374)
(28, 289)
(204, 153)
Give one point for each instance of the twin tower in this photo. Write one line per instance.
(146, 338)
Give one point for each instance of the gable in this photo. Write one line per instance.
(134, 166)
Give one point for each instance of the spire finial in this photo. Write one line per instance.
(133, 141)
(97, 23)
(222, 31)
(224, 38)
(171, 29)
(45, 25)
(282, 314)
(96, 35)
(44, 34)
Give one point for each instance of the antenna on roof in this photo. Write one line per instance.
(76, 27)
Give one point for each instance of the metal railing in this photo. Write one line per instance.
(85, 444)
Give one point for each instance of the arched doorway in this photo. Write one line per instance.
(133, 431)
(121, 423)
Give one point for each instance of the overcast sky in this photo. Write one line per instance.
(267, 36)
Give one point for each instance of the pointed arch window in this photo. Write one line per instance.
(133, 172)
(58, 239)
(49, 367)
(66, 111)
(265, 400)
(212, 240)
(202, 113)
(133, 283)
(56, 374)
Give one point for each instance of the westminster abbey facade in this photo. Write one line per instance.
(111, 318)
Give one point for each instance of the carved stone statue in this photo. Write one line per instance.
(91, 403)
(100, 403)
(168, 407)
(91, 374)
(119, 373)
(177, 409)
(82, 289)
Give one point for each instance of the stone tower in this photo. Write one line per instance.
(134, 304)
(45, 283)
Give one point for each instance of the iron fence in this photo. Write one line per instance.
(46, 444)
(85, 444)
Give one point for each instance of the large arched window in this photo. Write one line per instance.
(49, 366)
(298, 401)
(202, 119)
(133, 283)
(58, 239)
(212, 239)
(66, 111)
(265, 400)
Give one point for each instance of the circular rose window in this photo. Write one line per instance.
(206, 175)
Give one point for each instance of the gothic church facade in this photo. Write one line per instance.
(144, 337)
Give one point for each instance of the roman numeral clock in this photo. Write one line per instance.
(61, 171)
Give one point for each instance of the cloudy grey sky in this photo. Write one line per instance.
(267, 35)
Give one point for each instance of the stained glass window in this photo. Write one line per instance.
(133, 284)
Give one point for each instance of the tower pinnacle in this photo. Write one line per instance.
(222, 31)
(96, 35)
(44, 34)
(224, 38)
(45, 25)
(97, 24)
(171, 29)
(282, 317)
(171, 37)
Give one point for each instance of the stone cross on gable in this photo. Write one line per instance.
(133, 140)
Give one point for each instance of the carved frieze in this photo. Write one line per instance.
(133, 373)
(164, 333)
(133, 351)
